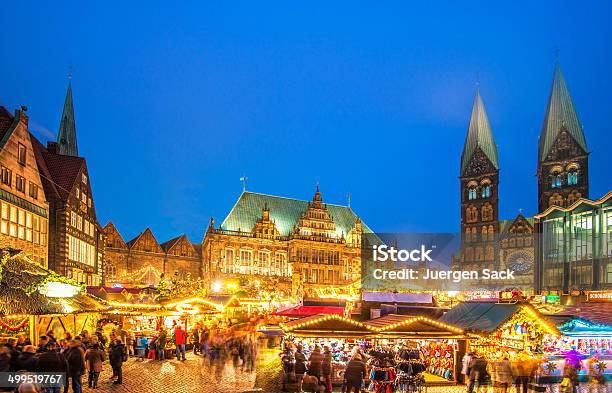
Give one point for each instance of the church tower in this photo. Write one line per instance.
(479, 179)
(563, 156)
(66, 137)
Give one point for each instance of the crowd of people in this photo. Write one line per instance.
(501, 374)
(315, 373)
(84, 355)
(218, 344)
(73, 356)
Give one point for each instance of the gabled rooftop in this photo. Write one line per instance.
(285, 212)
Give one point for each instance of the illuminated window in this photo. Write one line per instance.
(6, 175)
(487, 212)
(33, 190)
(557, 181)
(229, 265)
(246, 258)
(572, 178)
(471, 214)
(471, 194)
(21, 157)
(20, 183)
(264, 262)
(281, 264)
(486, 191)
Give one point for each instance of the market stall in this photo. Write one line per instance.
(35, 300)
(503, 329)
(436, 343)
(338, 333)
(587, 343)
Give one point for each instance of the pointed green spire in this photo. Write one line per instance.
(479, 135)
(66, 138)
(560, 114)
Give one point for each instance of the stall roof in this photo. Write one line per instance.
(306, 311)
(583, 327)
(20, 274)
(330, 325)
(212, 302)
(596, 312)
(389, 297)
(486, 317)
(417, 325)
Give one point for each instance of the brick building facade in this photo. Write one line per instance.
(24, 211)
(142, 260)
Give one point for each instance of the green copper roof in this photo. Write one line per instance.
(285, 212)
(66, 138)
(479, 135)
(560, 113)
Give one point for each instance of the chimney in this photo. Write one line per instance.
(21, 115)
(52, 147)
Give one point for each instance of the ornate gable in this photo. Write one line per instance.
(264, 227)
(520, 226)
(564, 147)
(145, 242)
(479, 165)
(316, 223)
(113, 237)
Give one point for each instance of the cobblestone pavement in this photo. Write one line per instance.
(197, 375)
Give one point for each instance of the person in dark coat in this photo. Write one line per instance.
(299, 367)
(116, 358)
(75, 356)
(326, 369)
(51, 361)
(478, 373)
(94, 357)
(42, 344)
(22, 341)
(5, 359)
(162, 339)
(195, 338)
(355, 373)
(11, 344)
(315, 360)
(27, 360)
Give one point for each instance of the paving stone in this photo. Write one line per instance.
(197, 374)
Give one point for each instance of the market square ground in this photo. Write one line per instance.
(197, 375)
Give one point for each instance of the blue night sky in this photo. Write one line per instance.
(175, 101)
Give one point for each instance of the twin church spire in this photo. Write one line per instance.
(562, 150)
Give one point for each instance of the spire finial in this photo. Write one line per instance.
(244, 179)
(477, 80)
(348, 199)
(69, 72)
